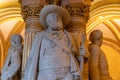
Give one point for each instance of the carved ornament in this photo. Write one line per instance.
(76, 26)
(79, 10)
(31, 11)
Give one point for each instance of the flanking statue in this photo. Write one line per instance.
(98, 65)
(11, 68)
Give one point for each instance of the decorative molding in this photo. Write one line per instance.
(111, 41)
(106, 10)
(115, 24)
(75, 26)
(113, 29)
(2, 43)
(79, 16)
(10, 11)
(31, 11)
(103, 3)
(79, 10)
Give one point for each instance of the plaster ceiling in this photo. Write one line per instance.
(9, 17)
(5, 1)
(106, 17)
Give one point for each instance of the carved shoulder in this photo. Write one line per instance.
(94, 50)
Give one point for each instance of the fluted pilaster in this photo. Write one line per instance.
(30, 13)
(79, 11)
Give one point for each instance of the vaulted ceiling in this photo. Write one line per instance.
(11, 22)
(105, 16)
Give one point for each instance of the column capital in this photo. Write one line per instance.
(79, 10)
(30, 11)
(79, 16)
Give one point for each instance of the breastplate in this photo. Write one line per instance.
(52, 56)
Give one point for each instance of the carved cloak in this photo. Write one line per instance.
(32, 63)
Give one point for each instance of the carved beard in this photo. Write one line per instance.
(57, 26)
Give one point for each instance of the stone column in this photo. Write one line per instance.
(79, 11)
(30, 12)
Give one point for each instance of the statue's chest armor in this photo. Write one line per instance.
(49, 47)
(52, 55)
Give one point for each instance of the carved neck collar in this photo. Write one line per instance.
(17, 46)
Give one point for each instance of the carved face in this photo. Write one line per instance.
(16, 39)
(100, 41)
(54, 22)
(13, 42)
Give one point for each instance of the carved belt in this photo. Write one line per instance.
(50, 62)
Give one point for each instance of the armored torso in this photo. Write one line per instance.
(51, 54)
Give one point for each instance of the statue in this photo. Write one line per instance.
(98, 65)
(52, 53)
(12, 65)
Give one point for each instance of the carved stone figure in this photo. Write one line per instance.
(98, 65)
(12, 65)
(53, 50)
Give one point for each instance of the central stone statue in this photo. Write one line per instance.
(52, 53)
